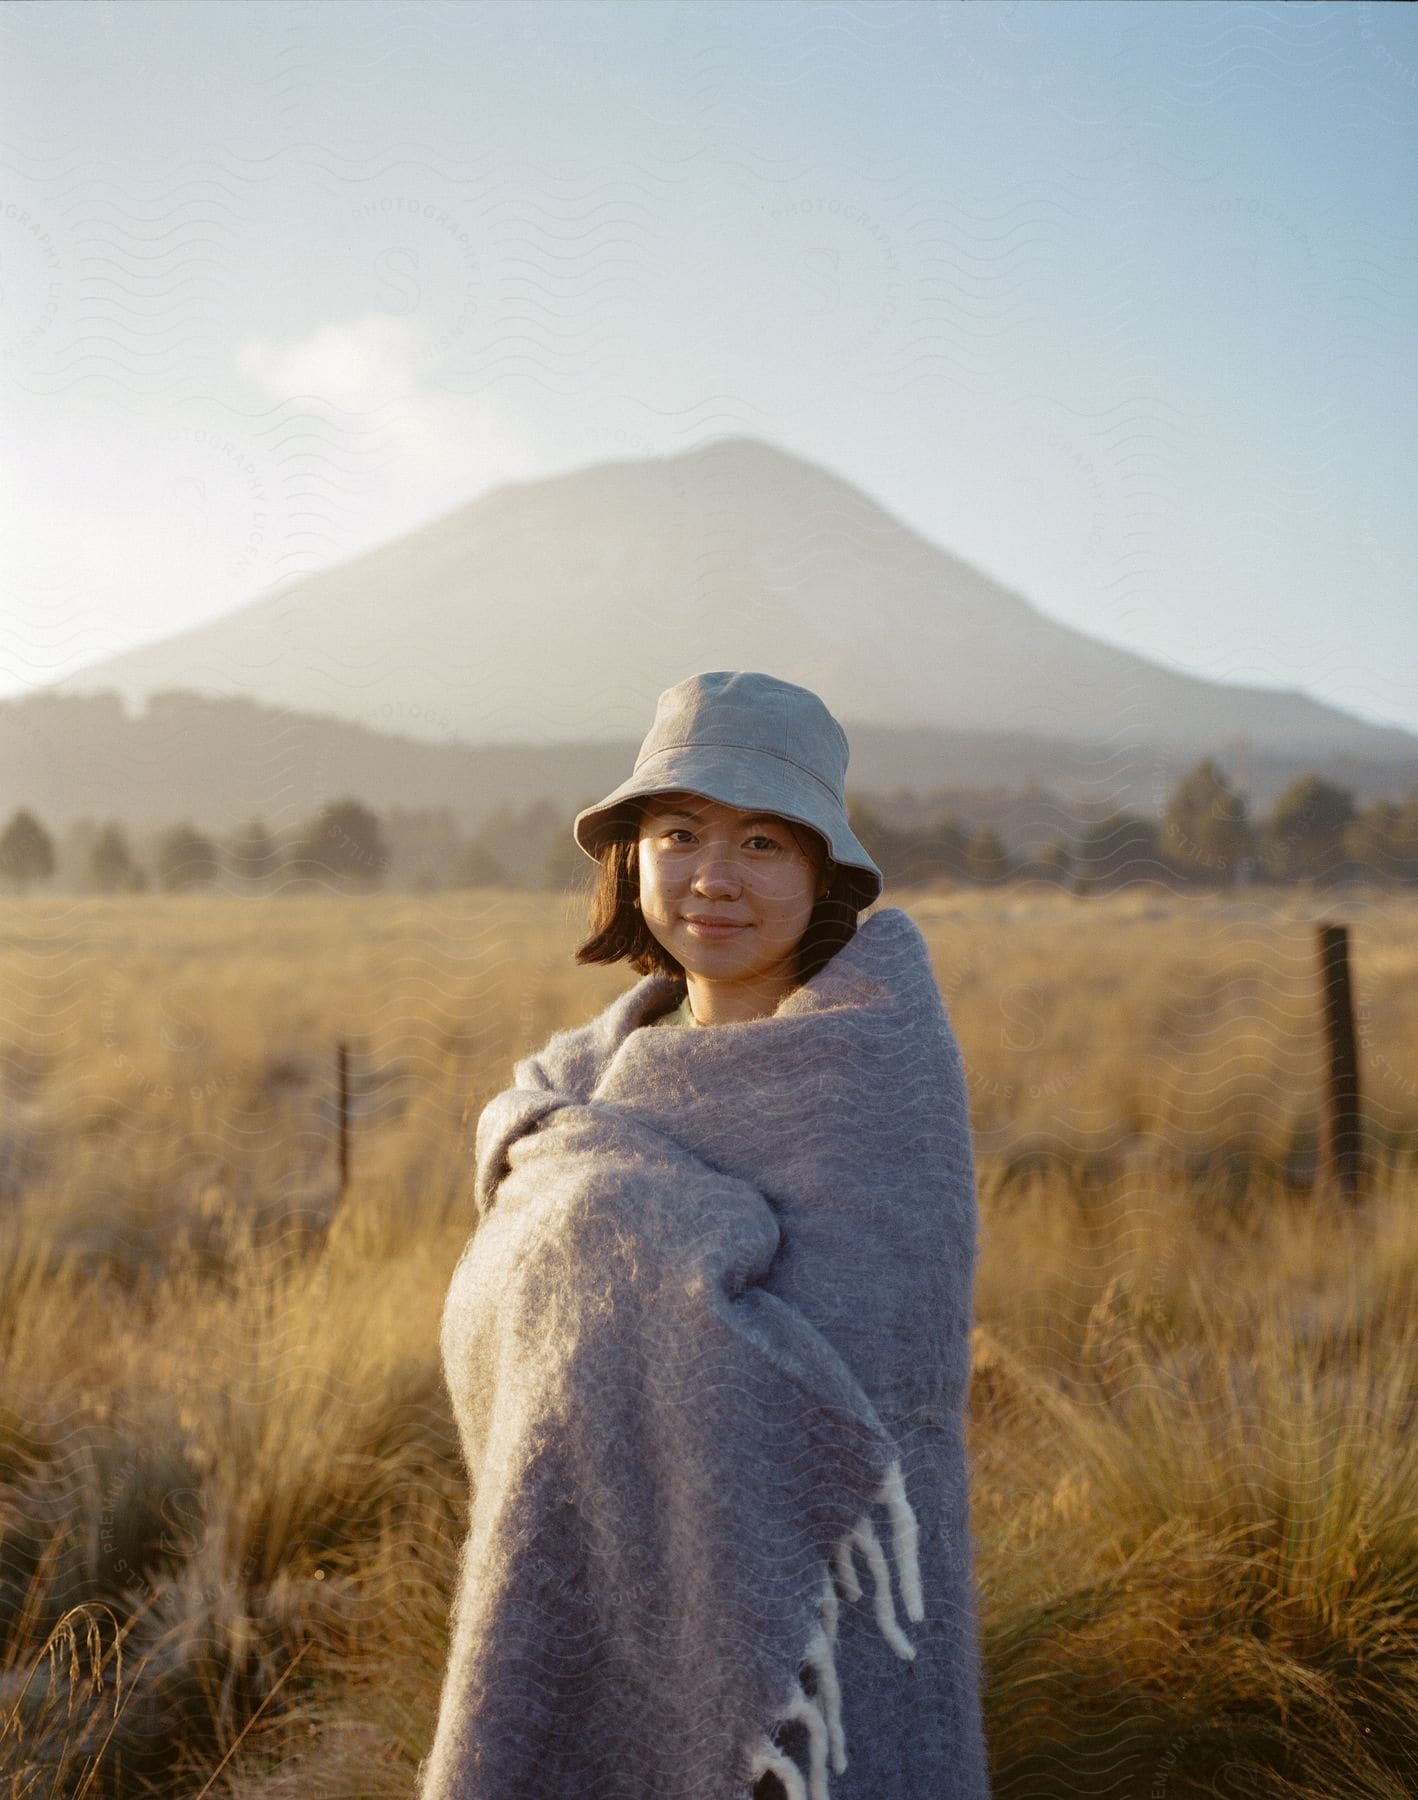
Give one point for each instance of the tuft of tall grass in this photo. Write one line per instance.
(1199, 1530)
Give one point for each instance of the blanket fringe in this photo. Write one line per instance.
(822, 1714)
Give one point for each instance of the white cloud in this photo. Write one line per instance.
(352, 367)
(372, 378)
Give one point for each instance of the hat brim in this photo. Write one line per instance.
(743, 778)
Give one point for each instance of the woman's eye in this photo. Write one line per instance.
(758, 837)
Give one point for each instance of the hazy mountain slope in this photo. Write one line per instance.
(558, 609)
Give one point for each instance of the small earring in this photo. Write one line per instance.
(636, 903)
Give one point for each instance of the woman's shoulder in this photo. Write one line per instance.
(574, 1057)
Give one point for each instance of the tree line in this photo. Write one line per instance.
(1204, 838)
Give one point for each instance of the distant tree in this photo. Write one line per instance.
(185, 859)
(566, 865)
(521, 839)
(873, 833)
(1405, 837)
(476, 866)
(26, 851)
(111, 866)
(72, 850)
(1370, 842)
(1115, 850)
(1205, 835)
(1053, 863)
(1304, 836)
(424, 843)
(946, 849)
(252, 853)
(986, 859)
(902, 856)
(343, 846)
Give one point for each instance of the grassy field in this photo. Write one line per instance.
(231, 1499)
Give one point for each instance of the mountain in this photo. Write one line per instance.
(554, 611)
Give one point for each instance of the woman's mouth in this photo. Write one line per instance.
(704, 928)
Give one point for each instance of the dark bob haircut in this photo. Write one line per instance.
(618, 932)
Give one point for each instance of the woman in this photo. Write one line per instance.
(711, 1335)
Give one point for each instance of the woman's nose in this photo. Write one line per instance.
(717, 867)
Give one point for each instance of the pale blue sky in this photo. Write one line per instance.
(1115, 301)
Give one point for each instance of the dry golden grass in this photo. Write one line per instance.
(230, 1490)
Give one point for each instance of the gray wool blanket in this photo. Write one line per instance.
(708, 1351)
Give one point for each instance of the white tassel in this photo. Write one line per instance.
(846, 1574)
(801, 1707)
(823, 1715)
(819, 1655)
(866, 1538)
(768, 1759)
(907, 1540)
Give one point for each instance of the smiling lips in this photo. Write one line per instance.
(714, 927)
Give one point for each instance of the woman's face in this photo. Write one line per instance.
(699, 857)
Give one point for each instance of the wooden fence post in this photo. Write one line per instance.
(1341, 1135)
(343, 1114)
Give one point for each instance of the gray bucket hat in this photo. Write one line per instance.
(746, 740)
